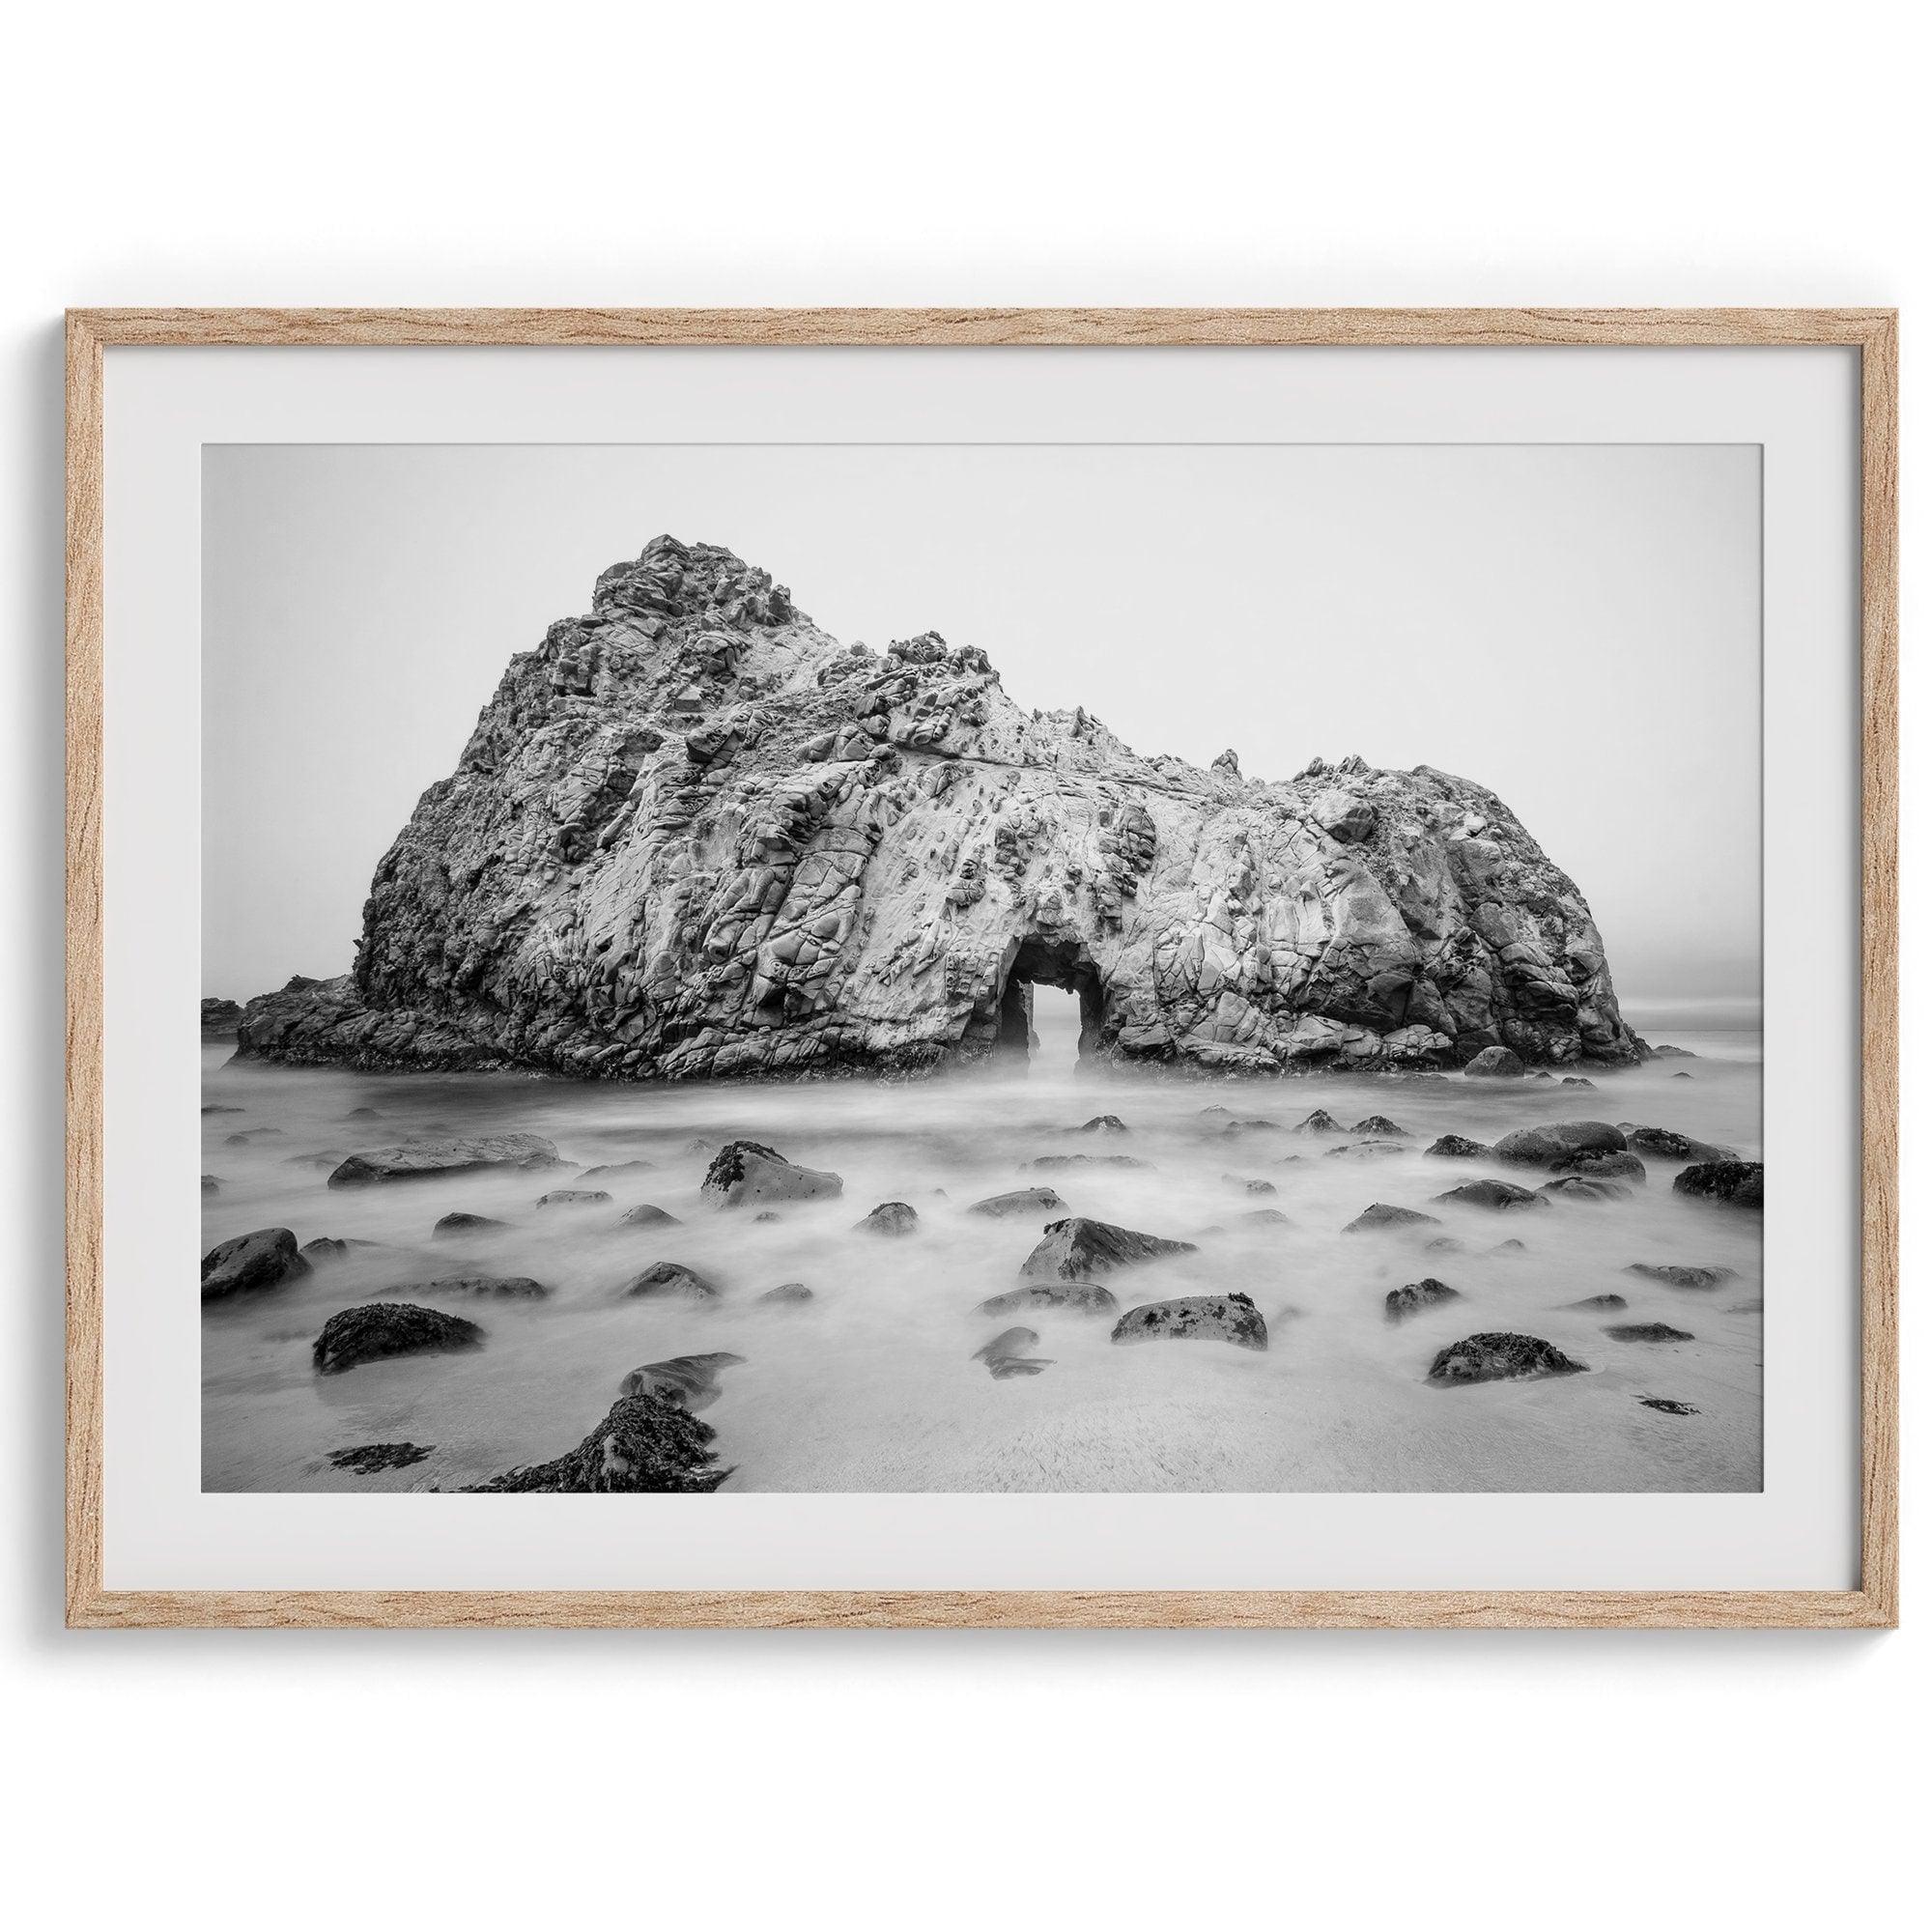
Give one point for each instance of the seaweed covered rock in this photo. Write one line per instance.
(647, 1445)
(380, 1330)
(692, 835)
(1499, 1357)
(690, 1380)
(1740, 1183)
(1400, 1303)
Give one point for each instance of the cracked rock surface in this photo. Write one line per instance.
(692, 834)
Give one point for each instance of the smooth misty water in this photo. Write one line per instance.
(871, 1385)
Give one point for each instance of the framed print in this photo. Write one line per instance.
(981, 968)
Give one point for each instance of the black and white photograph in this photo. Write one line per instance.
(971, 969)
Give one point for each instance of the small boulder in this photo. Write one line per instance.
(250, 1263)
(1077, 1249)
(748, 1172)
(1675, 1274)
(1400, 1303)
(647, 1215)
(572, 1197)
(669, 1281)
(1102, 1124)
(1054, 1161)
(786, 1292)
(371, 1459)
(1215, 1317)
(452, 1225)
(1498, 1196)
(1320, 1122)
(1082, 1297)
(1599, 1304)
(890, 1217)
(689, 1379)
(325, 1248)
(1020, 1201)
(505, 1287)
(646, 1445)
(1495, 1063)
(1379, 1123)
(1498, 1359)
(1005, 1357)
(376, 1330)
(1379, 1214)
(1268, 1217)
(1647, 1331)
(1544, 1147)
(1666, 1405)
(1455, 1146)
(617, 1170)
(431, 1159)
(211, 1183)
(1576, 1080)
(1738, 1182)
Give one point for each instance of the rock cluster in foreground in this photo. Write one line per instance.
(692, 834)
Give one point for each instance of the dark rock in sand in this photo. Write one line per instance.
(1666, 1405)
(649, 1215)
(1495, 1063)
(1379, 1123)
(1213, 1318)
(1078, 1249)
(1585, 1187)
(464, 1223)
(250, 1263)
(380, 1330)
(211, 1183)
(1679, 1275)
(646, 1445)
(1400, 1303)
(430, 1159)
(1020, 1201)
(371, 1459)
(1599, 1304)
(1544, 1147)
(1667, 1143)
(1647, 1331)
(749, 1174)
(1379, 1214)
(1604, 1165)
(505, 1287)
(1320, 1122)
(1500, 1357)
(786, 1292)
(1498, 1196)
(1054, 1161)
(890, 1217)
(572, 1197)
(690, 1380)
(1738, 1182)
(669, 1280)
(1102, 1124)
(1084, 1298)
(1454, 1147)
(220, 1017)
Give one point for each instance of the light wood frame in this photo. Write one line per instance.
(1872, 332)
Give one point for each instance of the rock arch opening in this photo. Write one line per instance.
(1038, 961)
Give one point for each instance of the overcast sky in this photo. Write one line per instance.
(1576, 628)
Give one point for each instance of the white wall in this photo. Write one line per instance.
(354, 154)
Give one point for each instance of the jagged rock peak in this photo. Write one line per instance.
(694, 835)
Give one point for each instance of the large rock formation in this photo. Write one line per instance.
(692, 834)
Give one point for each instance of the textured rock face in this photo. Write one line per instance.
(377, 1330)
(1498, 1359)
(265, 1259)
(428, 1160)
(646, 1445)
(692, 834)
(1189, 1317)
